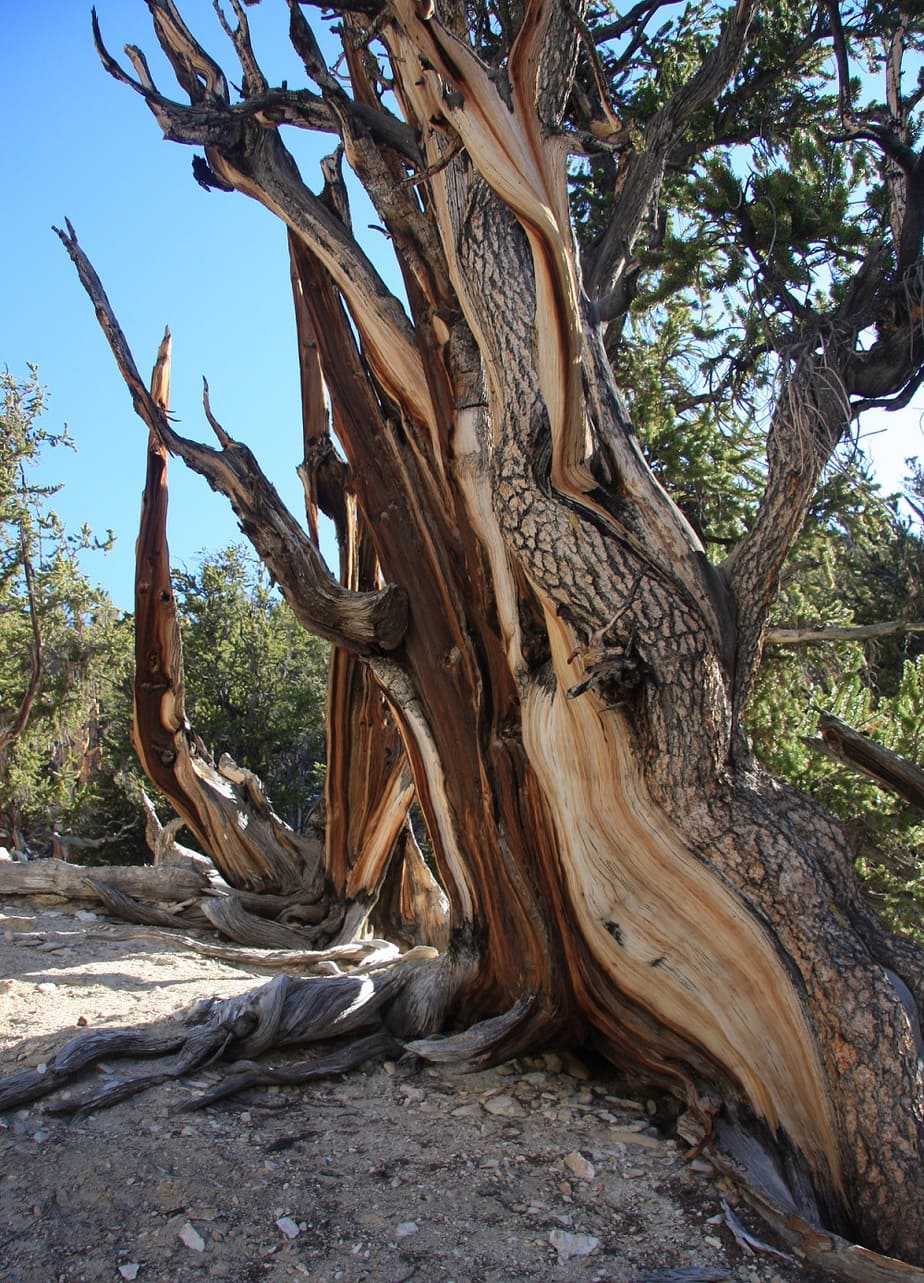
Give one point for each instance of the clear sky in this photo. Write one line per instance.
(212, 266)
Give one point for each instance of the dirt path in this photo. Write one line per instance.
(534, 1171)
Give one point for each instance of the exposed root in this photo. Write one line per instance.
(284, 1012)
(129, 909)
(322, 961)
(479, 1045)
(228, 915)
(247, 1074)
(79, 1054)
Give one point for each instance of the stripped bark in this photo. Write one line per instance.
(230, 817)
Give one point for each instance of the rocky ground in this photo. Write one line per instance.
(536, 1170)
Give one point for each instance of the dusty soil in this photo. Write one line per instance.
(537, 1170)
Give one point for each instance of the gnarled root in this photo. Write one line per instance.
(284, 1012)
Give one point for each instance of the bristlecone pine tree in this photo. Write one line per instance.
(531, 643)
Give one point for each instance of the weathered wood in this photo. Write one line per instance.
(233, 920)
(359, 1052)
(128, 909)
(159, 882)
(775, 636)
(890, 770)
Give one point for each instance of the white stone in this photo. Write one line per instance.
(567, 1244)
(288, 1226)
(191, 1237)
(129, 1270)
(406, 1228)
(504, 1107)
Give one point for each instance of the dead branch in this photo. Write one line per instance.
(890, 770)
(360, 621)
(835, 633)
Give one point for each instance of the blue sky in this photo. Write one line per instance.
(214, 267)
(76, 144)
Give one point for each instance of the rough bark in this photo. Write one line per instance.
(569, 678)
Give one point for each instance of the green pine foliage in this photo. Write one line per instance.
(256, 682)
(70, 768)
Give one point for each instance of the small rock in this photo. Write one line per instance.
(552, 1062)
(288, 1226)
(467, 1111)
(504, 1107)
(129, 1270)
(578, 1164)
(191, 1237)
(567, 1244)
(406, 1228)
(46, 987)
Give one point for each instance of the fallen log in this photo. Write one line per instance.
(150, 882)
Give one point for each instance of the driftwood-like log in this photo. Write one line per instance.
(159, 882)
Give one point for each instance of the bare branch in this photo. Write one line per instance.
(360, 621)
(220, 123)
(254, 80)
(848, 633)
(890, 770)
(200, 76)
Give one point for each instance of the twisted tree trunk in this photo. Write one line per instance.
(564, 671)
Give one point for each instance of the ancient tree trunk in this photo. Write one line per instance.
(564, 668)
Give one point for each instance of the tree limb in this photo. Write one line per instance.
(860, 753)
(638, 184)
(848, 633)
